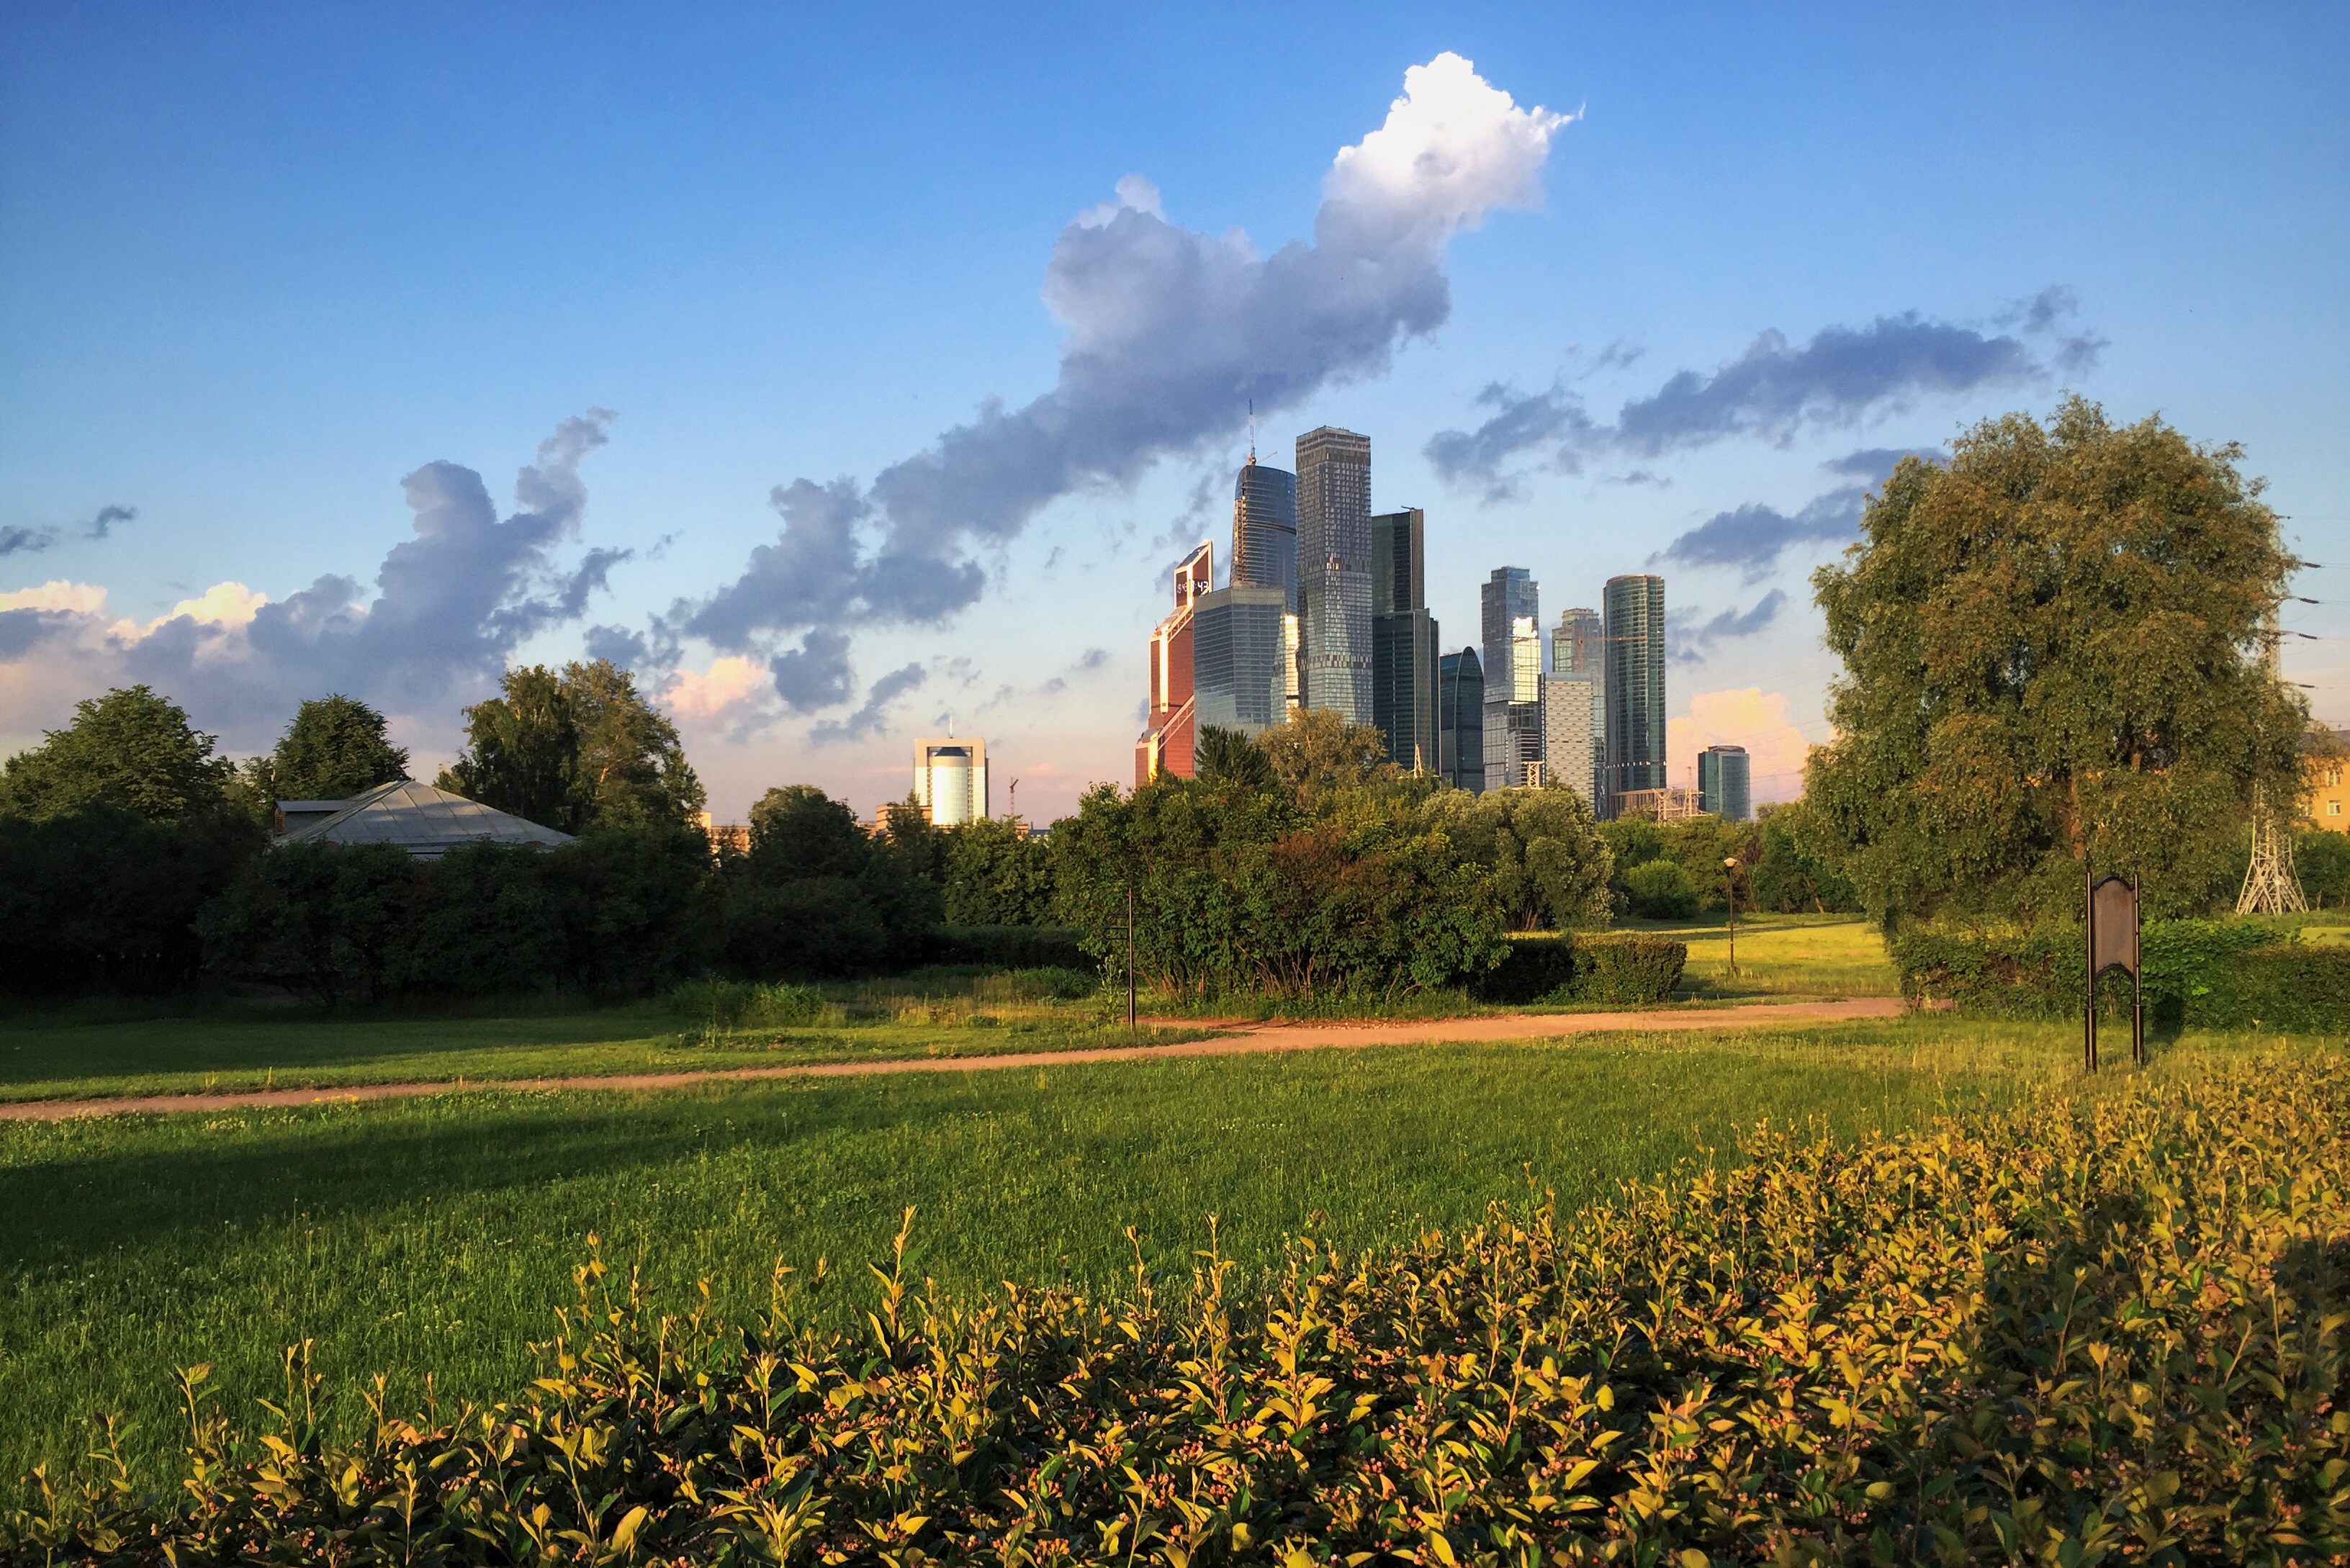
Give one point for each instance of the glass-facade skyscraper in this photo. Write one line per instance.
(1237, 677)
(1265, 530)
(1725, 783)
(1334, 571)
(1461, 721)
(1510, 621)
(1403, 640)
(1575, 654)
(1635, 662)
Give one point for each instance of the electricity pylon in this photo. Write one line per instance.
(2269, 885)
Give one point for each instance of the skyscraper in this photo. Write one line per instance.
(1334, 571)
(1167, 740)
(1461, 721)
(1634, 661)
(1576, 650)
(1265, 530)
(1571, 706)
(1514, 727)
(950, 780)
(1725, 783)
(1237, 678)
(1403, 640)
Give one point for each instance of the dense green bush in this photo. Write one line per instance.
(1629, 968)
(1538, 965)
(1339, 890)
(2095, 1330)
(1622, 968)
(616, 914)
(98, 899)
(1014, 946)
(998, 876)
(2210, 973)
(1660, 890)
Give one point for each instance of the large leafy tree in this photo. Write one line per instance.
(336, 747)
(631, 769)
(131, 749)
(1316, 752)
(579, 750)
(2054, 656)
(1548, 863)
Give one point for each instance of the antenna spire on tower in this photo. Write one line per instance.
(1252, 432)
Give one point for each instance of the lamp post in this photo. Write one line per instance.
(1730, 876)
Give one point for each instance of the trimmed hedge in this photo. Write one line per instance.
(2098, 1329)
(1012, 947)
(2217, 974)
(1578, 966)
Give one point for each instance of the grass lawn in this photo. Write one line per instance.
(1781, 955)
(113, 1053)
(437, 1236)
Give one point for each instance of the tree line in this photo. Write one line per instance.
(2058, 651)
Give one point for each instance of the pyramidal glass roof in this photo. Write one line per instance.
(423, 820)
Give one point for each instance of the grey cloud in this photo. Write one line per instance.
(816, 674)
(1093, 659)
(16, 541)
(1692, 640)
(1752, 538)
(1639, 476)
(627, 649)
(1170, 333)
(22, 631)
(108, 516)
(592, 576)
(451, 604)
(1874, 464)
(1519, 421)
(1775, 391)
(2048, 314)
(872, 719)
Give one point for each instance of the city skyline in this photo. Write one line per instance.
(373, 354)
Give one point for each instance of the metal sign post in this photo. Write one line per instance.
(2113, 933)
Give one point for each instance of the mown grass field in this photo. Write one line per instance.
(120, 1052)
(435, 1237)
(1783, 955)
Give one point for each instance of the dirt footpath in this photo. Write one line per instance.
(1237, 1039)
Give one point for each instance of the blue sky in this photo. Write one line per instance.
(260, 266)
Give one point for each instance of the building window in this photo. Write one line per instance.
(2332, 808)
(2332, 778)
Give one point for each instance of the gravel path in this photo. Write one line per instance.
(1237, 1039)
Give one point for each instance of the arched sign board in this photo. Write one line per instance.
(2112, 944)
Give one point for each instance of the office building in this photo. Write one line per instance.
(1172, 726)
(1237, 677)
(1512, 664)
(1334, 572)
(1633, 657)
(1461, 721)
(1265, 530)
(950, 780)
(1725, 784)
(1571, 707)
(1577, 648)
(1403, 640)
